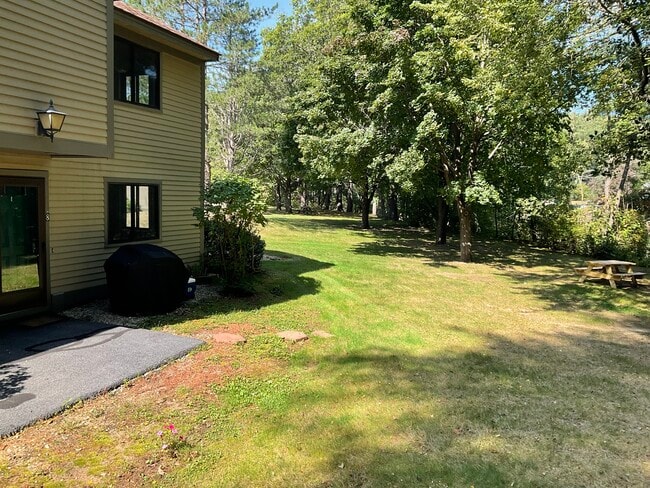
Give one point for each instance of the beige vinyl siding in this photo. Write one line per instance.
(150, 145)
(67, 64)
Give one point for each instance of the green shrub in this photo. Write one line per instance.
(233, 208)
(631, 235)
(585, 231)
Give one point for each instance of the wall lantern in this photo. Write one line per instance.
(50, 121)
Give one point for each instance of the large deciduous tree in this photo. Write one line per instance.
(357, 113)
(618, 45)
(497, 82)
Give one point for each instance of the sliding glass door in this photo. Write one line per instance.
(22, 244)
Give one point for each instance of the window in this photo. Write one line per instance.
(137, 74)
(133, 212)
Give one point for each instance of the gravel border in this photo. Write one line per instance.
(100, 310)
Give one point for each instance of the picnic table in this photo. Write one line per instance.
(611, 270)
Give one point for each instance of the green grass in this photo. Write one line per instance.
(19, 277)
(502, 372)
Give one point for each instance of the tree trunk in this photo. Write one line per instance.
(393, 208)
(441, 223)
(621, 185)
(465, 218)
(365, 206)
(278, 195)
(287, 196)
(608, 202)
(379, 206)
(304, 198)
(327, 200)
(339, 198)
(349, 204)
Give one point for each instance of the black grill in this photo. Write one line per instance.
(144, 279)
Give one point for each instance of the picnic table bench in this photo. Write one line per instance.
(610, 270)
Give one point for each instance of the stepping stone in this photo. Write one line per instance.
(228, 338)
(292, 336)
(323, 334)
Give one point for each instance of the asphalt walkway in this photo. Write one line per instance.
(45, 369)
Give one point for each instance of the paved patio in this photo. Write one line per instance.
(44, 369)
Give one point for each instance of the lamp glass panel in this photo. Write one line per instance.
(57, 121)
(45, 120)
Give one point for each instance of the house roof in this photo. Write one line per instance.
(200, 50)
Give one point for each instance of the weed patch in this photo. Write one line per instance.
(270, 394)
(267, 346)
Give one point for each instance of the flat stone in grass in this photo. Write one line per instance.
(323, 334)
(292, 336)
(228, 338)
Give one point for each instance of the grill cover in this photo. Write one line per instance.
(145, 279)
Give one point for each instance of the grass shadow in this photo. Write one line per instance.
(395, 240)
(547, 275)
(511, 413)
(281, 279)
(506, 416)
(318, 223)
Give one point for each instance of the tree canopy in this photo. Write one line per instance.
(506, 111)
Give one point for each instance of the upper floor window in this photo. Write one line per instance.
(137, 74)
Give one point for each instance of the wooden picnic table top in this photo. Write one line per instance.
(610, 262)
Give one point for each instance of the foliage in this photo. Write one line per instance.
(583, 231)
(616, 42)
(497, 82)
(631, 235)
(231, 214)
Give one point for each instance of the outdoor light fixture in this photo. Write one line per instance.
(50, 121)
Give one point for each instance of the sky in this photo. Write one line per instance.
(284, 7)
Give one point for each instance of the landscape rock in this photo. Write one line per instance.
(292, 336)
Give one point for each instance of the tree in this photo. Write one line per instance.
(229, 27)
(617, 44)
(357, 115)
(277, 86)
(497, 82)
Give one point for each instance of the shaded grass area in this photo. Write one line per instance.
(503, 372)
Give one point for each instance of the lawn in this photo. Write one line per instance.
(503, 372)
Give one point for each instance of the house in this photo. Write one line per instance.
(127, 164)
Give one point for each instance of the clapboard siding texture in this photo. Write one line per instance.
(150, 145)
(74, 55)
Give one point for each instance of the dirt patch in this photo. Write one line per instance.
(210, 365)
(245, 330)
(111, 439)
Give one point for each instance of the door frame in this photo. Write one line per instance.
(44, 301)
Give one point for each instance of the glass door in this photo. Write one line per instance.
(22, 244)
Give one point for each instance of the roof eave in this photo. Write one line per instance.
(140, 26)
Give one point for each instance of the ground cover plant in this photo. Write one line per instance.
(501, 372)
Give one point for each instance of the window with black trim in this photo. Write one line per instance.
(133, 212)
(137, 74)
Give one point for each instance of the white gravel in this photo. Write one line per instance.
(99, 310)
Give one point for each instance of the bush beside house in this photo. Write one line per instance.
(233, 209)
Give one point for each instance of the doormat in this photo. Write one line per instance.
(40, 320)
